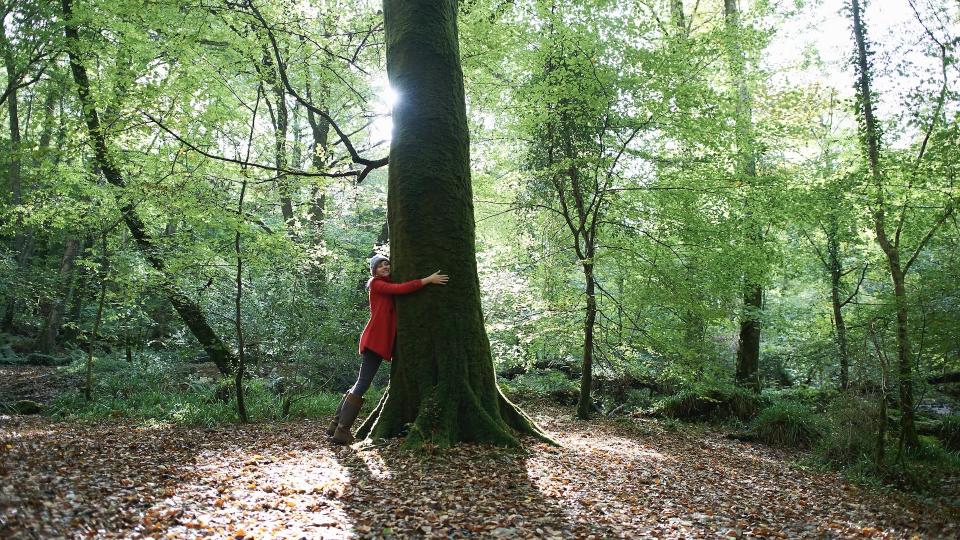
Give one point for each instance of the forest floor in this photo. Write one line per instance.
(630, 477)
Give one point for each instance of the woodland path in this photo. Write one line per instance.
(626, 478)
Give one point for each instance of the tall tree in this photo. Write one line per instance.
(748, 351)
(578, 138)
(890, 244)
(189, 310)
(442, 379)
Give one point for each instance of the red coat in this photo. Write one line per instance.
(381, 329)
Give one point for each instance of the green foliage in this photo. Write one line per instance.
(948, 432)
(788, 423)
(851, 430)
(159, 391)
(549, 385)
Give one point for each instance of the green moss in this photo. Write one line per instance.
(711, 403)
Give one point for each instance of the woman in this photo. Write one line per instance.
(376, 342)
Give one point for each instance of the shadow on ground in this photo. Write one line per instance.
(609, 479)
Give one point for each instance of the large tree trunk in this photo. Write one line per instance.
(189, 311)
(748, 351)
(442, 379)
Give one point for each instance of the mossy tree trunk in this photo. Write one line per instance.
(898, 262)
(442, 379)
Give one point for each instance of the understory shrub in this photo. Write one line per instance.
(158, 391)
(788, 423)
(949, 432)
(549, 385)
(851, 430)
(711, 403)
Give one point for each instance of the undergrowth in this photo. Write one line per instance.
(159, 391)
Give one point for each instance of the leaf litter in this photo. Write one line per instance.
(609, 479)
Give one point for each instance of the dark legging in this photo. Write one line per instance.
(368, 368)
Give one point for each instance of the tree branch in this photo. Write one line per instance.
(368, 164)
(855, 291)
(933, 230)
(242, 163)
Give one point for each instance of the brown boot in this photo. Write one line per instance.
(336, 418)
(348, 414)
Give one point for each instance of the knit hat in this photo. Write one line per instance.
(375, 260)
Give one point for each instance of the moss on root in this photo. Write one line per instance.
(446, 418)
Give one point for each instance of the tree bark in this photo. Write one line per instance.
(92, 344)
(319, 129)
(14, 179)
(839, 326)
(870, 136)
(189, 311)
(585, 404)
(238, 316)
(280, 119)
(442, 379)
(47, 341)
(748, 351)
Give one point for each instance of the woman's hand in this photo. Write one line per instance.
(436, 278)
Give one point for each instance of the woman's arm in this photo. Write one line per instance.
(381, 286)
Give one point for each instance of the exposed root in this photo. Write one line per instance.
(519, 421)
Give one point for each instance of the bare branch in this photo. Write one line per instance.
(863, 274)
(368, 164)
(245, 164)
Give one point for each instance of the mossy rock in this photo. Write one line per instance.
(717, 403)
(40, 359)
(23, 406)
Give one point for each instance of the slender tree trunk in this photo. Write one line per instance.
(839, 326)
(20, 240)
(189, 311)
(870, 135)
(47, 341)
(238, 320)
(280, 149)
(881, 442)
(442, 379)
(585, 404)
(92, 344)
(281, 119)
(748, 352)
(319, 129)
(840, 329)
(56, 306)
(316, 214)
(908, 430)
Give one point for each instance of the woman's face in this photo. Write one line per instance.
(383, 269)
